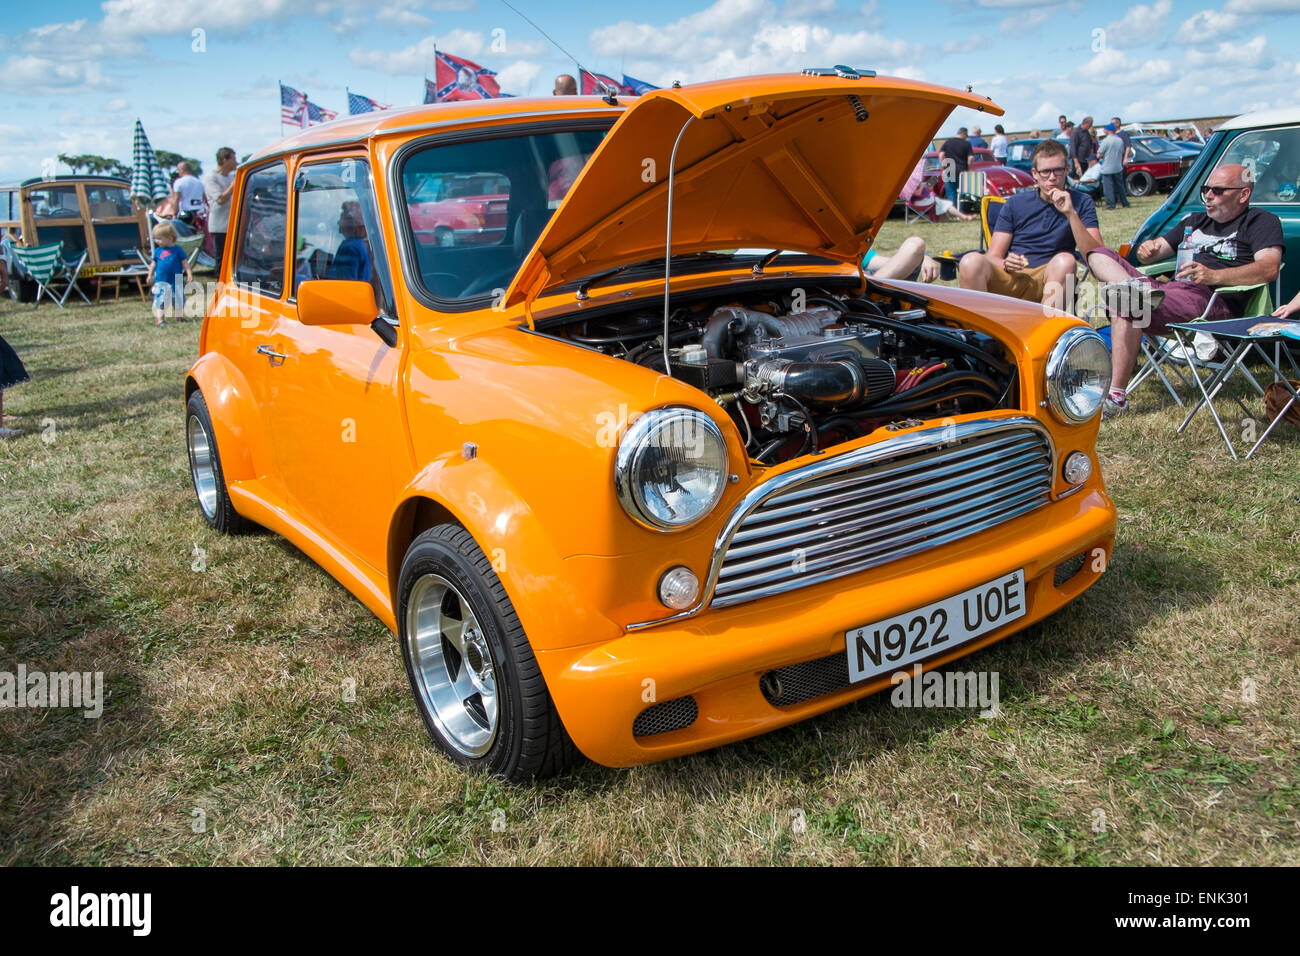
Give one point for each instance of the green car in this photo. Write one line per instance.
(1268, 141)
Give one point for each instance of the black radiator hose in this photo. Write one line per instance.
(967, 383)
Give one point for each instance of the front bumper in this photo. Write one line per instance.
(719, 657)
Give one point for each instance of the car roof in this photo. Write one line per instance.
(1283, 116)
(68, 178)
(355, 129)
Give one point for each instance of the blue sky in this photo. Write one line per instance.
(75, 75)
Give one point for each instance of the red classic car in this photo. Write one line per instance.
(1001, 180)
(460, 209)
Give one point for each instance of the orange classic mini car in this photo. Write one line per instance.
(656, 468)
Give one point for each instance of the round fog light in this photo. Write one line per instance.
(678, 588)
(1077, 468)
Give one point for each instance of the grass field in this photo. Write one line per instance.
(1153, 721)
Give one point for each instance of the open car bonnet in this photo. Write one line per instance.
(805, 163)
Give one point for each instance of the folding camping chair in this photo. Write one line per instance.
(972, 187)
(46, 264)
(1163, 353)
(1245, 339)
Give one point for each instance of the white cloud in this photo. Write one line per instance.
(870, 14)
(1206, 26)
(1110, 67)
(1023, 22)
(34, 74)
(418, 58)
(115, 105)
(1228, 54)
(1139, 23)
(161, 17)
(402, 14)
(518, 77)
(802, 8)
(1261, 6)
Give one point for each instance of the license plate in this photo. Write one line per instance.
(895, 642)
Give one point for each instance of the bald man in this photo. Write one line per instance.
(1235, 245)
(565, 85)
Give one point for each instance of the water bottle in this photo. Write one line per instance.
(1185, 251)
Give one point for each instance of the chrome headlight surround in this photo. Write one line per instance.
(667, 438)
(1077, 353)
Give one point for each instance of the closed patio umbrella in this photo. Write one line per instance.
(148, 181)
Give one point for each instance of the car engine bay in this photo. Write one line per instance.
(800, 372)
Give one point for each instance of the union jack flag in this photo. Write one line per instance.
(293, 107)
(597, 84)
(456, 78)
(363, 104)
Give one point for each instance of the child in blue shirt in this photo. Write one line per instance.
(168, 263)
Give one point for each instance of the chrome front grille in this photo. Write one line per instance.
(882, 503)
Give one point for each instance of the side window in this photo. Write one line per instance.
(55, 202)
(262, 229)
(336, 232)
(1273, 158)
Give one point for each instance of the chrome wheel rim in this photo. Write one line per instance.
(452, 666)
(202, 467)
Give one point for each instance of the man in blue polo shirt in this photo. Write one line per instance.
(1031, 254)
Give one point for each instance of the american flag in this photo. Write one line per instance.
(293, 107)
(456, 78)
(319, 114)
(363, 104)
(596, 84)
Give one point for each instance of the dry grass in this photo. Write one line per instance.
(227, 684)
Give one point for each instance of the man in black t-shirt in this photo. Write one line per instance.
(958, 150)
(1235, 245)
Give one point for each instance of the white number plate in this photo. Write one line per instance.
(892, 644)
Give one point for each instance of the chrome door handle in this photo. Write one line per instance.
(276, 358)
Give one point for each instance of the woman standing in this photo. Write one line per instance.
(11, 373)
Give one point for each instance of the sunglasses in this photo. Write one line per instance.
(1055, 171)
(1218, 190)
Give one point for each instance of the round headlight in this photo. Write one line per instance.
(671, 468)
(1078, 376)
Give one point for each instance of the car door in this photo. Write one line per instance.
(252, 298)
(57, 215)
(339, 436)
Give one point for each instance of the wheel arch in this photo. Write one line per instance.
(542, 586)
(235, 418)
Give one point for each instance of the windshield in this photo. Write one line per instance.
(1158, 145)
(475, 209)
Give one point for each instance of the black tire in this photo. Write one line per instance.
(210, 490)
(528, 740)
(1139, 183)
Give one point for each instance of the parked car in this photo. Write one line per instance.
(1001, 180)
(1159, 145)
(459, 208)
(1266, 142)
(630, 507)
(1148, 170)
(91, 214)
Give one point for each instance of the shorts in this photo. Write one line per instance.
(169, 296)
(1023, 284)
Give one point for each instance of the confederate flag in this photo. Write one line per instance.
(596, 84)
(457, 78)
